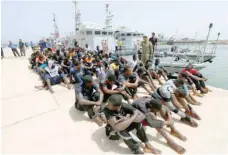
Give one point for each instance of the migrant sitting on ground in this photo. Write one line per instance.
(147, 105)
(152, 72)
(107, 86)
(131, 82)
(52, 75)
(89, 97)
(197, 78)
(169, 94)
(160, 69)
(123, 118)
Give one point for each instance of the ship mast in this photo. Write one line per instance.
(208, 34)
(108, 19)
(77, 18)
(56, 34)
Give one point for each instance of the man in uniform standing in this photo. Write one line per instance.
(146, 50)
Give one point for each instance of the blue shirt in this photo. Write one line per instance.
(48, 45)
(80, 72)
(42, 44)
(84, 92)
(12, 45)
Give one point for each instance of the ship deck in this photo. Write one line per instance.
(39, 122)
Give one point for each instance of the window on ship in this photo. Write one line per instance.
(122, 34)
(134, 34)
(104, 33)
(97, 32)
(89, 32)
(128, 34)
(109, 33)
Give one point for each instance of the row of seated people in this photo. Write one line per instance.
(106, 87)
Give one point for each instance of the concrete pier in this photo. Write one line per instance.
(35, 121)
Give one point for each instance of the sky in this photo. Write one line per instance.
(32, 20)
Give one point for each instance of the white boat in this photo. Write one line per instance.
(90, 35)
(191, 54)
(175, 65)
(105, 37)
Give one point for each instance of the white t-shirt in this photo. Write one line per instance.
(167, 89)
(101, 73)
(54, 71)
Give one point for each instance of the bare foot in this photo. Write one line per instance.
(194, 114)
(134, 97)
(98, 121)
(179, 149)
(191, 123)
(200, 95)
(151, 149)
(51, 91)
(209, 90)
(69, 87)
(203, 92)
(39, 87)
(198, 103)
(104, 118)
(178, 135)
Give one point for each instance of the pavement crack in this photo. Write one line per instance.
(29, 118)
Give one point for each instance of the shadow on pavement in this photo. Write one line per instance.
(77, 115)
(107, 145)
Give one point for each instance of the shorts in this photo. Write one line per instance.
(54, 80)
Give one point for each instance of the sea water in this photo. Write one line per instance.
(217, 71)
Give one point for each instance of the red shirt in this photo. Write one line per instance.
(192, 71)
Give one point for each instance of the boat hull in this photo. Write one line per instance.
(207, 57)
(178, 67)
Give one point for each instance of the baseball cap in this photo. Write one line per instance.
(115, 100)
(111, 77)
(87, 78)
(155, 104)
(76, 63)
